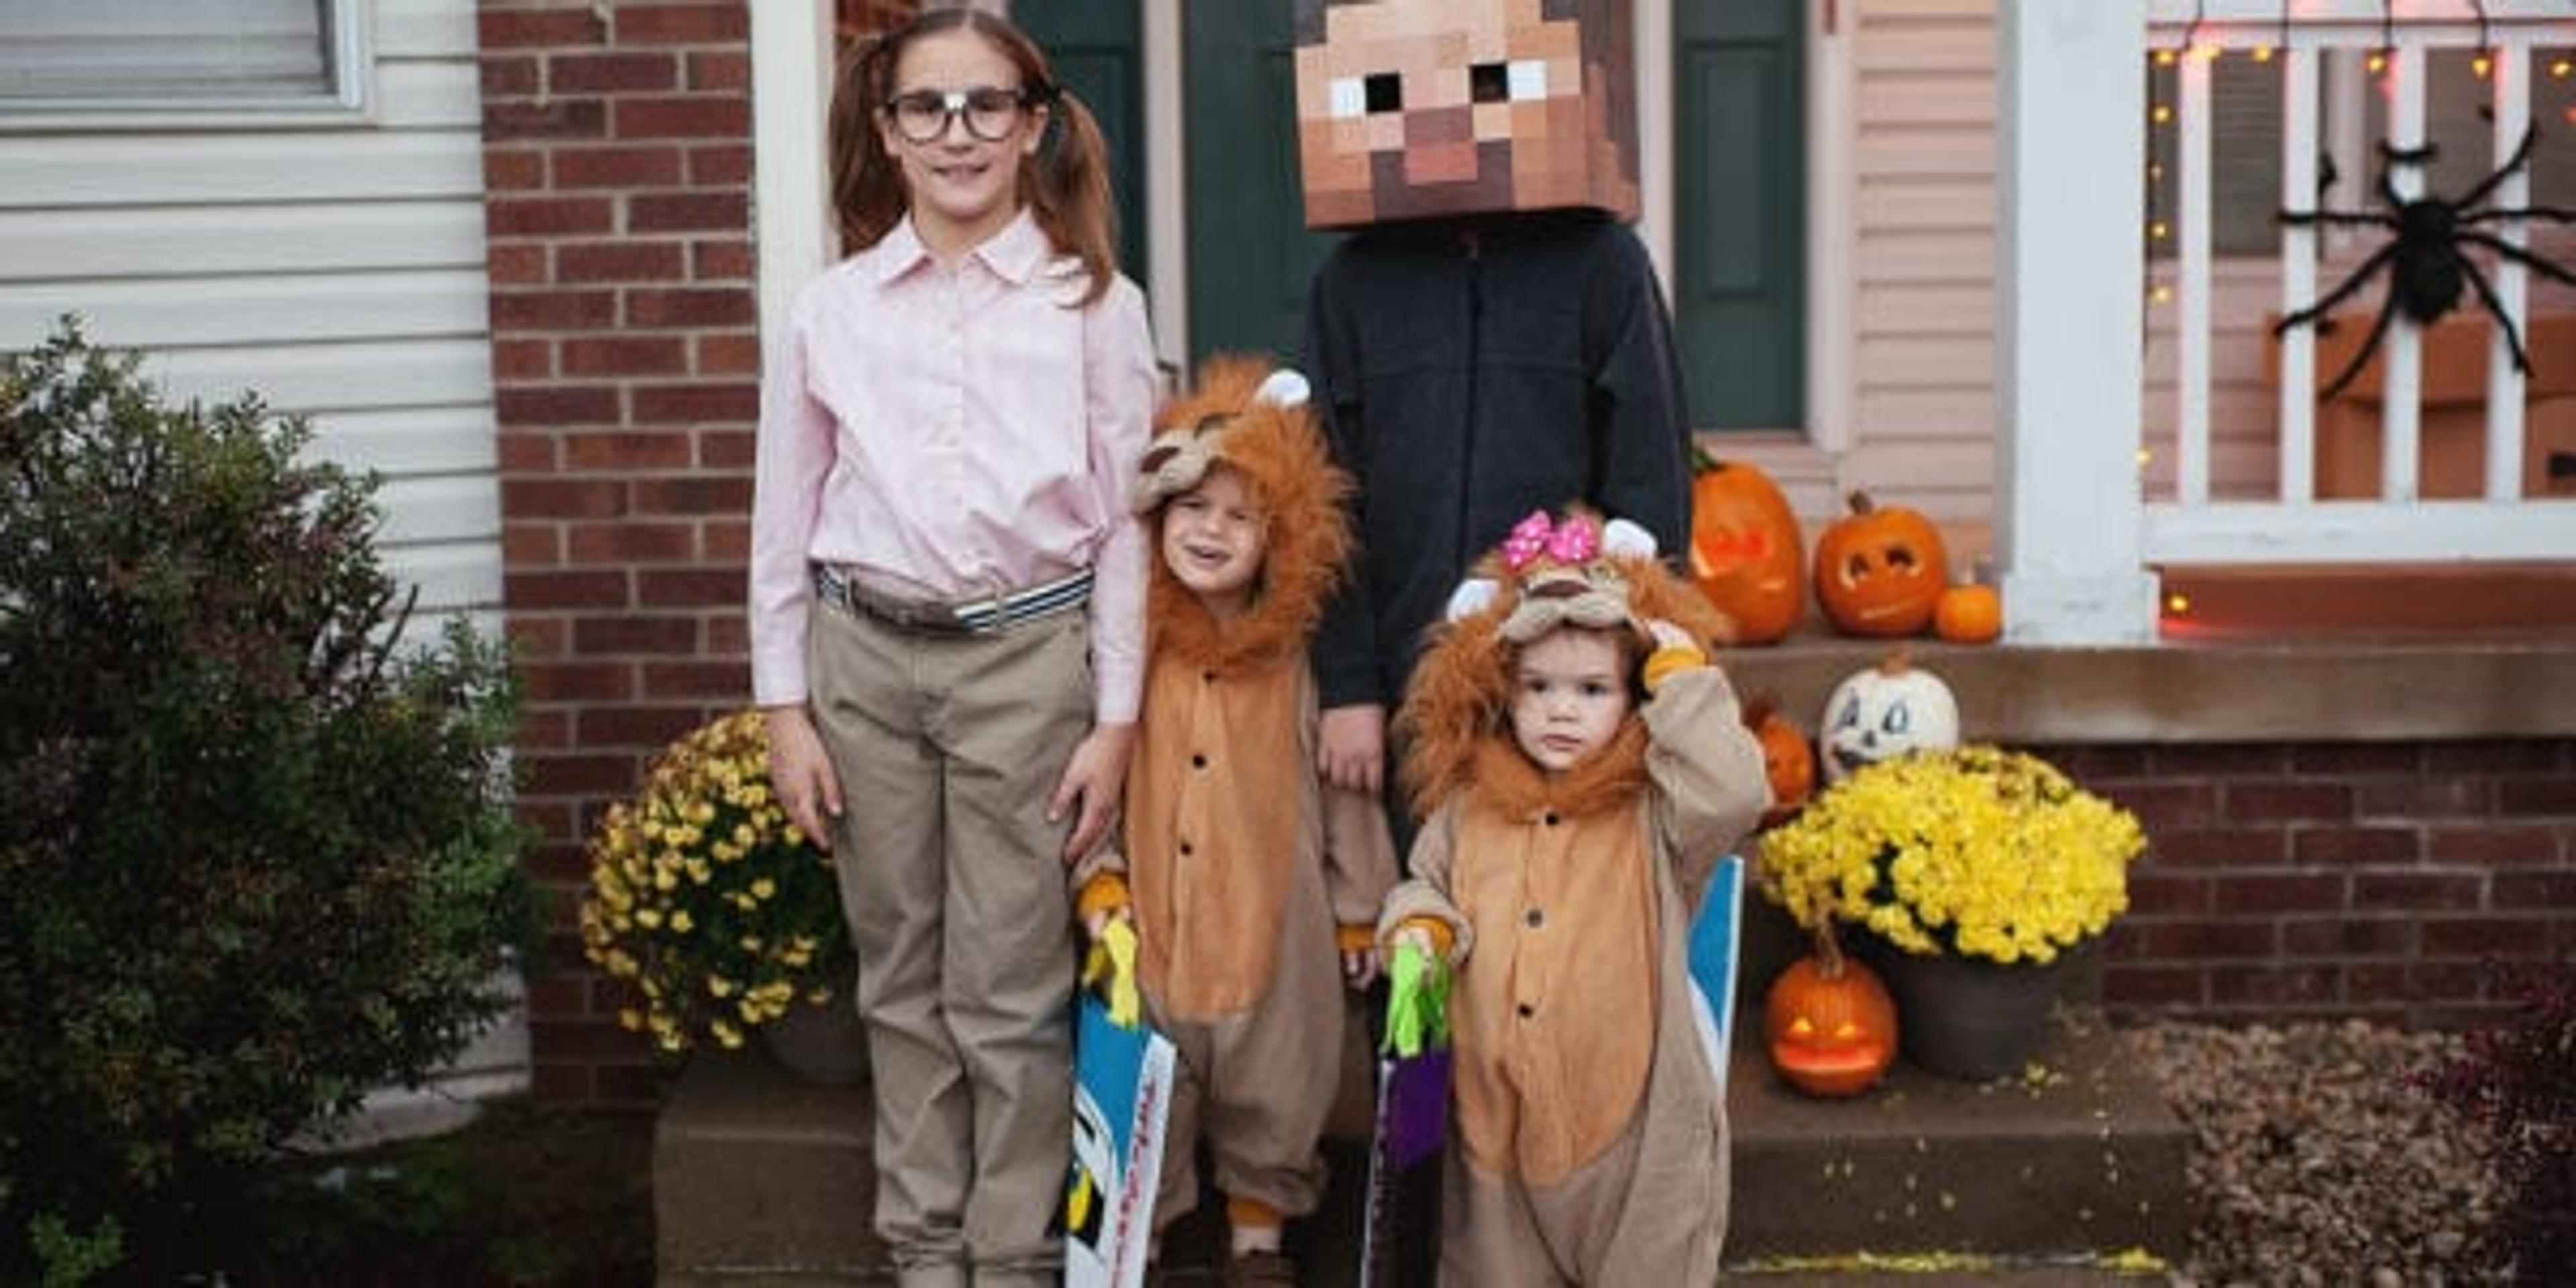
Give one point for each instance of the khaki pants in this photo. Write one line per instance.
(947, 748)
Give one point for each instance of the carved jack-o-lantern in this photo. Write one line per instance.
(1747, 553)
(1887, 710)
(1831, 1024)
(1787, 761)
(1880, 570)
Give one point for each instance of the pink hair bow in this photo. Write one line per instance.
(1570, 542)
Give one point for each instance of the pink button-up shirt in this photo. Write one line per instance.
(948, 431)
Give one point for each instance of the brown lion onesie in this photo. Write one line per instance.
(1589, 1140)
(1245, 874)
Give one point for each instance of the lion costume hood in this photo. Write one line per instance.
(1249, 418)
(1456, 718)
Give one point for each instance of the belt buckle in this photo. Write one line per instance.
(974, 614)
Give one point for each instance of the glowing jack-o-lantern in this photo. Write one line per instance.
(1747, 553)
(1830, 1023)
(1887, 710)
(1880, 569)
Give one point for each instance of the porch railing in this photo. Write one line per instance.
(2081, 540)
(2312, 42)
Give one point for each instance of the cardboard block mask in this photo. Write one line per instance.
(1410, 109)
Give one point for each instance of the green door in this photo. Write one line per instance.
(1098, 49)
(1739, 294)
(1250, 253)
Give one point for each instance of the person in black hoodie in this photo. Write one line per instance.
(1491, 340)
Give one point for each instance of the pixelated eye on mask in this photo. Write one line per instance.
(1410, 109)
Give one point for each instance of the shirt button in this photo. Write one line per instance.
(1534, 919)
(1527, 1010)
(1208, 677)
(1198, 762)
(1549, 818)
(1185, 849)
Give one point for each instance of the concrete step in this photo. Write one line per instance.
(761, 1179)
(2067, 1168)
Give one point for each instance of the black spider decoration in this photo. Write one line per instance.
(2426, 259)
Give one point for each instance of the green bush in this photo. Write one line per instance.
(258, 854)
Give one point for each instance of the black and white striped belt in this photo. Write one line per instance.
(952, 617)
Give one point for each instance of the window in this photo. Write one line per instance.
(149, 57)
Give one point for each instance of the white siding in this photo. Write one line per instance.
(337, 271)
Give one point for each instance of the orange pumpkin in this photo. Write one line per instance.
(1831, 1024)
(1880, 570)
(1971, 614)
(1747, 552)
(1787, 758)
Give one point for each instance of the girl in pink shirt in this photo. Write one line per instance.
(947, 607)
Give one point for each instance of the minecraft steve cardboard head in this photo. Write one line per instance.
(1408, 109)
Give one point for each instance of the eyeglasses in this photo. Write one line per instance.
(922, 116)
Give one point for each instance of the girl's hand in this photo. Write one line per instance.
(1415, 938)
(801, 774)
(1668, 635)
(1092, 781)
(1350, 748)
(1360, 968)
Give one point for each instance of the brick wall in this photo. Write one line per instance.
(2343, 879)
(617, 157)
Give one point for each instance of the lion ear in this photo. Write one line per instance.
(1285, 387)
(1621, 537)
(1472, 597)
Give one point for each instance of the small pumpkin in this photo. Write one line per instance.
(1747, 552)
(1885, 710)
(1787, 759)
(1969, 614)
(1880, 569)
(1830, 1024)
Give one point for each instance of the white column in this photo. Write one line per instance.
(2070, 305)
(791, 76)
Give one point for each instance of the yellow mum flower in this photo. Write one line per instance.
(704, 901)
(1980, 851)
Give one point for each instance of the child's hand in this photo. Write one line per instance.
(1098, 920)
(1360, 968)
(1350, 748)
(801, 774)
(1413, 937)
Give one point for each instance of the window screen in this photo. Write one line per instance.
(156, 52)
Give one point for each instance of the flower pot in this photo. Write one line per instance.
(1967, 1017)
(825, 1044)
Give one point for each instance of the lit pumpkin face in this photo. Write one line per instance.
(1831, 1026)
(1888, 710)
(1747, 552)
(1880, 571)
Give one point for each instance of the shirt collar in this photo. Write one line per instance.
(1014, 254)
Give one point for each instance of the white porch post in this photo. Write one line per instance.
(791, 76)
(2073, 196)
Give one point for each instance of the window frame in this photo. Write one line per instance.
(350, 100)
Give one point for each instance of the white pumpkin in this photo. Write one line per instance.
(1888, 710)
